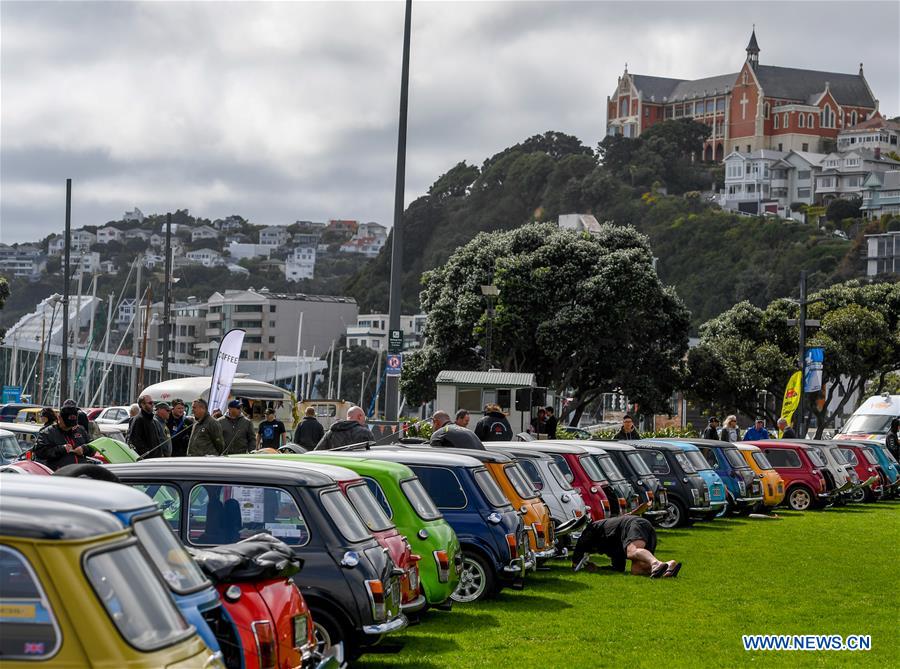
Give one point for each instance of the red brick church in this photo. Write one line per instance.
(759, 107)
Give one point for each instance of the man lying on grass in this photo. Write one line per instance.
(623, 538)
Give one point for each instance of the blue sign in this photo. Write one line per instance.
(11, 394)
(394, 364)
(815, 360)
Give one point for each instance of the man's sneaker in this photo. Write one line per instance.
(578, 566)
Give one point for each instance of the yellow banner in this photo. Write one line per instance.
(791, 397)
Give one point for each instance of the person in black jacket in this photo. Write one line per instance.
(628, 431)
(180, 428)
(787, 432)
(82, 416)
(623, 538)
(64, 443)
(346, 432)
(310, 431)
(891, 441)
(712, 429)
(143, 435)
(494, 426)
(552, 422)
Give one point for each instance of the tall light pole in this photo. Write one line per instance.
(490, 294)
(392, 390)
(167, 290)
(64, 361)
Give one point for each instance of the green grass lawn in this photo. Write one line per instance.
(830, 572)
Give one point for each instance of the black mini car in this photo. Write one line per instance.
(686, 491)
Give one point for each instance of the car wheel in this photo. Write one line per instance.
(859, 495)
(799, 499)
(476, 581)
(676, 515)
(329, 632)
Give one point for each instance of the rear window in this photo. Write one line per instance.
(489, 487)
(421, 501)
(838, 455)
(870, 455)
(137, 603)
(559, 476)
(817, 457)
(443, 486)
(849, 456)
(343, 515)
(710, 456)
(609, 468)
(735, 459)
(656, 460)
(696, 458)
(520, 482)
(380, 497)
(682, 460)
(531, 471)
(225, 514)
(368, 508)
(636, 461)
(166, 552)
(167, 498)
(761, 460)
(563, 467)
(590, 467)
(28, 629)
(10, 448)
(783, 457)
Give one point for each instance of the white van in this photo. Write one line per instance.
(872, 419)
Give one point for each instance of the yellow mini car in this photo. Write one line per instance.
(76, 591)
(772, 483)
(30, 415)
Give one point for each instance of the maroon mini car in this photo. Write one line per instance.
(863, 460)
(803, 468)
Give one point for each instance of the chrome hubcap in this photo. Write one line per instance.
(673, 516)
(471, 582)
(323, 638)
(800, 500)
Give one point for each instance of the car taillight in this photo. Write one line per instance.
(513, 545)
(623, 504)
(443, 564)
(264, 633)
(301, 631)
(376, 597)
(539, 534)
(650, 496)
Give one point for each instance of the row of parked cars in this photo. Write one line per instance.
(284, 560)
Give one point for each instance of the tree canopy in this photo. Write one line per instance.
(586, 313)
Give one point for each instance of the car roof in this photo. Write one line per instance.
(6, 433)
(593, 447)
(332, 471)
(517, 452)
(31, 428)
(197, 468)
(702, 442)
(610, 445)
(657, 444)
(483, 456)
(548, 446)
(91, 493)
(683, 445)
(21, 517)
(798, 443)
(414, 456)
(396, 469)
(747, 447)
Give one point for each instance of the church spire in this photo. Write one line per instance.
(753, 49)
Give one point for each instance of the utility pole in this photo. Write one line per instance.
(340, 373)
(134, 332)
(64, 361)
(392, 391)
(803, 323)
(89, 362)
(109, 313)
(164, 367)
(75, 376)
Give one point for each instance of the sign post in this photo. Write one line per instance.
(395, 341)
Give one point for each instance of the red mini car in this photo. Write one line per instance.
(576, 463)
(866, 465)
(801, 466)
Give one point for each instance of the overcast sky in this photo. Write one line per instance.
(286, 111)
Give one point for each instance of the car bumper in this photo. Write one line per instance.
(700, 510)
(748, 501)
(415, 605)
(519, 566)
(717, 506)
(396, 623)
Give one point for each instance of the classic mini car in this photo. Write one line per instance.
(770, 479)
(686, 491)
(348, 580)
(864, 461)
(10, 448)
(718, 500)
(618, 488)
(743, 489)
(77, 590)
(889, 468)
(412, 510)
(491, 533)
(632, 465)
(804, 470)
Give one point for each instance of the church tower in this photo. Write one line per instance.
(753, 50)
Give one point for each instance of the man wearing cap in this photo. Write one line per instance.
(162, 430)
(271, 433)
(63, 443)
(82, 416)
(143, 435)
(310, 431)
(712, 429)
(757, 432)
(237, 430)
(179, 425)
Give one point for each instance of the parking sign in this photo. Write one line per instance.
(394, 364)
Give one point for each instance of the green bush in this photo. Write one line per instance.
(666, 433)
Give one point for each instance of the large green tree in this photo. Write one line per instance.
(4, 293)
(749, 349)
(586, 313)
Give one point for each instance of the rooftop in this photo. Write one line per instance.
(491, 378)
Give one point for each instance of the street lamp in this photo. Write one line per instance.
(490, 293)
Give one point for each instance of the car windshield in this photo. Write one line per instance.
(870, 455)
(421, 501)
(10, 448)
(368, 508)
(520, 482)
(849, 456)
(609, 468)
(636, 461)
(137, 603)
(761, 460)
(563, 467)
(343, 515)
(735, 459)
(868, 424)
(530, 468)
(818, 459)
(681, 459)
(696, 458)
(491, 490)
(838, 455)
(590, 467)
(889, 455)
(174, 564)
(559, 476)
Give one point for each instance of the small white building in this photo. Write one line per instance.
(579, 223)
(153, 260)
(136, 216)
(240, 251)
(275, 235)
(108, 234)
(368, 240)
(883, 253)
(89, 263)
(205, 257)
(301, 264)
(137, 233)
(108, 267)
(473, 390)
(843, 174)
(203, 232)
(881, 194)
(875, 133)
(81, 241)
(371, 331)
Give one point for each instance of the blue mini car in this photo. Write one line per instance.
(886, 461)
(194, 595)
(491, 533)
(717, 497)
(743, 489)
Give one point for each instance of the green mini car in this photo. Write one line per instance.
(407, 504)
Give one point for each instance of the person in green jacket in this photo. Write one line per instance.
(206, 433)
